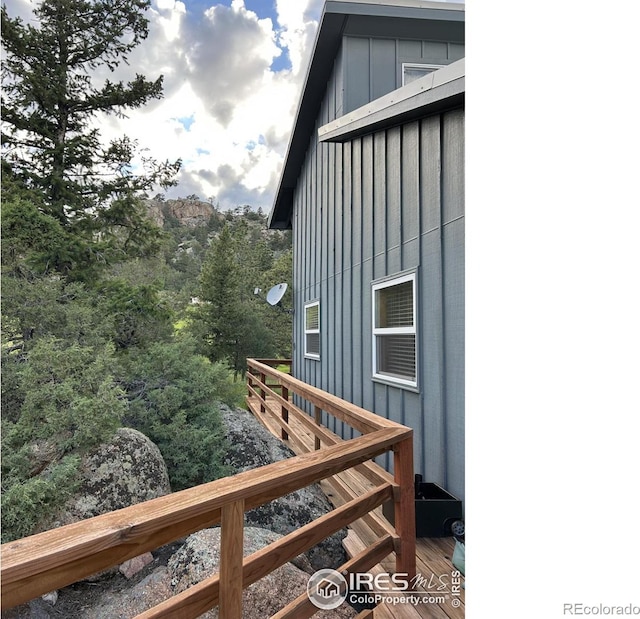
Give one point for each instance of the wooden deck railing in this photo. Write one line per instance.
(40, 563)
(270, 397)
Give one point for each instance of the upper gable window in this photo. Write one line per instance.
(312, 330)
(411, 71)
(394, 330)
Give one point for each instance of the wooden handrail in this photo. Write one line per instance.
(358, 418)
(205, 594)
(301, 607)
(276, 362)
(53, 559)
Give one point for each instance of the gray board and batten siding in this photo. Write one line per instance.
(374, 204)
(373, 65)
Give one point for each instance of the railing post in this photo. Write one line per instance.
(231, 554)
(284, 411)
(318, 415)
(405, 515)
(263, 393)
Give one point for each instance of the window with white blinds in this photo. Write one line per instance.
(312, 330)
(394, 330)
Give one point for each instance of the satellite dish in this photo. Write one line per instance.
(274, 296)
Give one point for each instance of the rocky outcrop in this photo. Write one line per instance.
(133, 566)
(251, 446)
(188, 212)
(198, 559)
(126, 470)
(123, 604)
(129, 469)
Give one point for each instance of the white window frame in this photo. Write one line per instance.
(307, 354)
(378, 332)
(418, 65)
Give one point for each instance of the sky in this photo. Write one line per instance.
(233, 75)
(232, 71)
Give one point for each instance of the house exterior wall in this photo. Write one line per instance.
(366, 68)
(369, 208)
(373, 65)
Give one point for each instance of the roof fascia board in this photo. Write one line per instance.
(398, 27)
(442, 99)
(330, 27)
(414, 9)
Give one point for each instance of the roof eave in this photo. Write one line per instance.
(325, 46)
(327, 41)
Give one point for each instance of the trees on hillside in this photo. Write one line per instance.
(71, 208)
(50, 145)
(229, 318)
(78, 358)
(173, 396)
(63, 401)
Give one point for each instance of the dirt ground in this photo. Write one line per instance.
(76, 599)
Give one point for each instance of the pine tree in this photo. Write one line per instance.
(220, 292)
(50, 144)
(232, 326)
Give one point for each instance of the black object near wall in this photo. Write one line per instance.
(436, 509)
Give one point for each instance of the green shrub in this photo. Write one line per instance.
(64, 401)
(174, 398)
(70, 396)
(24, 502)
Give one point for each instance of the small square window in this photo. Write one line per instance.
(312, 330)
(394, 330)
(412, 71)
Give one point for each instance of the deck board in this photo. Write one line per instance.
(433, 555)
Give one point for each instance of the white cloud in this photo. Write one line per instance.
(230, 51)
(225, 112)
(217, 73)
(298, 19)
(170, 17)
